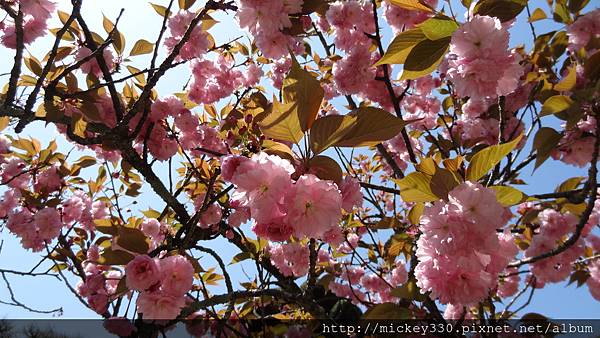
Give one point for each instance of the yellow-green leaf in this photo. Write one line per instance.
(303, 90)
(79, 125)
(142, 47)
(115, 257)
(568, 82)
(373, 126)
(486, 159)
(186, 4)
(416, 187)
(282, 123)
(556, 104)
(508, 196)
(438, 27)
(424, 58)
(544, 142)
(538, 14)
(401, 45)
(328, 130)
(161, 10)
(413, 5)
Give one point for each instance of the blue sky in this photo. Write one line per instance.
(140, 21)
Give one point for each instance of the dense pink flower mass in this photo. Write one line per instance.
(267, 20)
(583, 30)
(480, 64)
(162, 283)
(309, 207)
(35, 16)
(460, 254)
(229, 189)
(198, 42)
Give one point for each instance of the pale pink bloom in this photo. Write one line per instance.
(313, 206)
(37, 8)
(162, 108)
(292, 259)
(151, 227)
(142, 273)
(14, 173)
(159, 305)
(584, 29)
(48, 223)
(238, 217)
(177, 275)
(92, 66)
(351, 194)
(48, 180)
(198, 41)
(98, 302)
(33, 28)
(480, 64)
(253, 75)
(8, 202)
(161, 145)
(212, 215)
(276, 231)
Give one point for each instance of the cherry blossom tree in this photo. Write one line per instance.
(361, 159)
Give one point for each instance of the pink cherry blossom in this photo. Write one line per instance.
(176, 275)
(142, 273)
(313, 206)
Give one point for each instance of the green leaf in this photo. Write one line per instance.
(133, 240)
(508, 196)
(242, 256)
(325, 168)
(186, 4)
(561, 13)
(142, 47)
(373, 126)
(438, 27)
(115, 257)
(400, 47)
(556, 104)
(282, 123)
(505, 10)
(304, 90)
(118, 37)
(413, 5)
(416, 187)
(386, 311)
(486, 159)
(544, 142)
(442, 182)
(568, 82)
(538, 14)
(328, 130)
(161, 10)
(424, 58)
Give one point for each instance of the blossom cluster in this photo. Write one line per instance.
(583, 30)
(480, 65)
(162, 284)
(267, 21)
(460, 252)
(100, 284)
(309, 207)
(35, 22)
